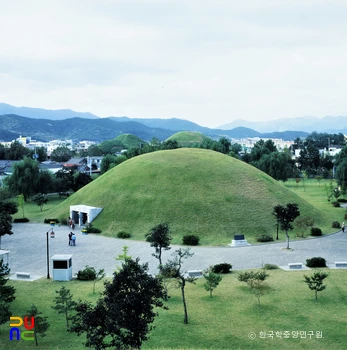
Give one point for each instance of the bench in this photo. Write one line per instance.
(23, 274)
(194, 273)
(295, 266)
(341, 264)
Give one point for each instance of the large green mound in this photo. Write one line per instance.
(129, 140)
(195, 191)
(188, 138)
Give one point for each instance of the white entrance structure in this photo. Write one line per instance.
(5, 257)
(83, 214)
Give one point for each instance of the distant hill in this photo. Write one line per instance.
(40, 113)
(188, 138)
(75, 128)
(195, 191)
(129, 140)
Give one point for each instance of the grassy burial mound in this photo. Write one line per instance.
(195, 191)
(129, 140)
(188, 138)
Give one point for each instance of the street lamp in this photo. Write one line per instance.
(52, 236)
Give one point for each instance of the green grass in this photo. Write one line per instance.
(195, 191)
(222, 322)
(188, 138)
(129, 140)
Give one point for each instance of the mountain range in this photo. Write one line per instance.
(42, 124)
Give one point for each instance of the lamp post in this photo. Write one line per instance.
(52, 236)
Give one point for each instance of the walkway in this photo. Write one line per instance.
(27, 248)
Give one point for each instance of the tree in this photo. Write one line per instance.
(255, 282)
(80, 180)
(6, 210)
(21, 201)
(173, 269)
(315, 282)
(41, 323)
(285, 216)
(40, 199)
(212, 280)
(303, 223)
(98, 277)
(123, 257)
(64, 304)
(6, 294)
(159, 238)
(61, 154)
(17, 151)
(124, 313)
(24, 178)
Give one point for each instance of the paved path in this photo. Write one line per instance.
(28, 251)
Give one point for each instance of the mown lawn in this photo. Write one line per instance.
(225, 321)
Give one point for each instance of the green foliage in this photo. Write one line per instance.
(265, 238)
(159, 238)
(109, 324)
(88, 274)
(335, 224)
(123, 257)
(91, 229)
(316, 262)
(315, 281)
(40, 199)
(270, 267)
(123, 234)
(64, 304)
(21, 220)
(303, 223)
(6, 293)
(49, 221)
(7, 208)
(61, 154)
(285, 216)
(41, 323)
(336, 204)
(316, 231)
(190, 240)
(212, 280)
(221, 268)
(21, 201)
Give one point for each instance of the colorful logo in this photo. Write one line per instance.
(15, 322)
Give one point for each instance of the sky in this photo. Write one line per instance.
(207, 61)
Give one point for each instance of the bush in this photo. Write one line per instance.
(93, 230)
(88, 274)
(342, 200)
(191, 240)
(123, 234)
(48, 221)
(345, 216)
(270, 267)
(316, 262)
(335, 204)
(316, 231)
(265, 238)
(221, 268)
(21, 220)
(335, 224)
(63, 221)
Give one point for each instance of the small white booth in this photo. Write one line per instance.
(62, 267)
(83, 214)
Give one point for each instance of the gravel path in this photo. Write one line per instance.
(28, 251)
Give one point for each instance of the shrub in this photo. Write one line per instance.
(93, 230)
(342, 200)
(345, 216)
(191, 240)
(316, 262)
(21, 220)
(335, 204)
(221, 268)
(88, 274)
(316, 231)
(63, 221)
(123, 234)
(48, 221)
(270, 267)
(265, 238)
(335, 224)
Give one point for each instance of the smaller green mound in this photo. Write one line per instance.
(129, 140)
(188, 138)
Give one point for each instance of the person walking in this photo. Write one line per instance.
(70, 238)
(73, 239)
(343, 227)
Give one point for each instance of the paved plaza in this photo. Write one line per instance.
(28, 252)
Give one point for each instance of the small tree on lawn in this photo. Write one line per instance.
(173, 269)
(160, 238)
(6, 210)
(255, 282)
(315, 282)
(6, 294)
(41, 323)
(64, 304)
(123, 257)
(212, 280)
(124, 313)
(21, 202)
(40, 199)
(98, 277)
(285, 216)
